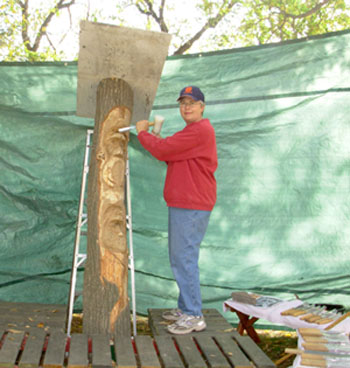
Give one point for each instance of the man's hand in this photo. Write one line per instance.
(142, 125)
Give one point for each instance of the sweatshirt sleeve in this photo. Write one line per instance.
(180, 146)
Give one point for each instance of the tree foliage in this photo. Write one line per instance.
(196, 26)
(240, 23)
(23, 31)
(274, 20)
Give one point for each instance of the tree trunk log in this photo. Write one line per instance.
(105, 295)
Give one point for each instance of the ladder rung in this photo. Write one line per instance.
(80, 260)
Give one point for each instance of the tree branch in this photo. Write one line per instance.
(313, 10)
(61, 4)
(163, 26)
(211, 23)
(51, 44)
(151, 13)
(24, 8)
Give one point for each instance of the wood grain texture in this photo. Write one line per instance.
(105, 298)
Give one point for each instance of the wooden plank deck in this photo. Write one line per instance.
(218, 346)
(22, 316)
(45, 346)
(33, 349)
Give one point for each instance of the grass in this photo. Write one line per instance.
(273, 342)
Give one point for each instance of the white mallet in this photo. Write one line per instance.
(157, 125)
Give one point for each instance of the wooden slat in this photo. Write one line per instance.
(10, 349)
(33, 319)
(101, 352)
(232, 351)
(3, 329)
(33, 349)
(54, 356)
(258, 357)
(146, 352)
(124, 352)
(32, 307)
(211, 351)
(78, 351)
(190, 352)
(168, 352)
(23, 325)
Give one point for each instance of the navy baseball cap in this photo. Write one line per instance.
(193, 92)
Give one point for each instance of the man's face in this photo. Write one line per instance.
(191, 110)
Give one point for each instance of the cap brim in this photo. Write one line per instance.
(190, 96)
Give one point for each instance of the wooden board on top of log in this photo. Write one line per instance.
(134, 55)
(105, 296)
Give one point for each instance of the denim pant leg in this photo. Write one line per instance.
(186, 231)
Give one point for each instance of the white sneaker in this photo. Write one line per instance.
(186, 324)
(172, 314)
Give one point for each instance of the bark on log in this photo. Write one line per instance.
(105, 292)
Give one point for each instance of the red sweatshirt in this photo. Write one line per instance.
(192, 160)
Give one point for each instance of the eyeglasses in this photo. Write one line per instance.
(189, 103)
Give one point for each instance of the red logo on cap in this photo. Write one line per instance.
(188, 90)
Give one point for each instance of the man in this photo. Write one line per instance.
(190, 193)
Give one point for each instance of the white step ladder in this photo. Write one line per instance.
(78, 257)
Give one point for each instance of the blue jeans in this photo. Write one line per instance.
(186, 231)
